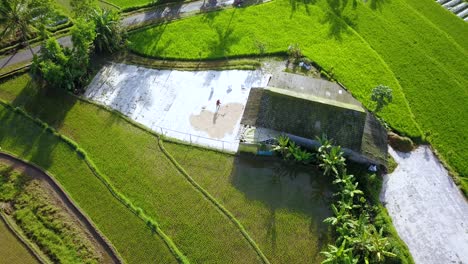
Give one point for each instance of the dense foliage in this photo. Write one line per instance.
(358, 240)
(23, 18)
(69, 68)
(110, 35)
(64, 67)
(381, 95)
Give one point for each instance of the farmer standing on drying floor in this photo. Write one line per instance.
(218, 104)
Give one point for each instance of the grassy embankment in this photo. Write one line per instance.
(420, 52)
(133, 162)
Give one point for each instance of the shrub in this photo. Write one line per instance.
(399, 143)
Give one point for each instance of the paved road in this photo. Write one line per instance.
(26, 55)
(175, 11)
(163, 13)
(427, 209)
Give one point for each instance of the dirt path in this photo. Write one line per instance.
(427, 208)
(108, 253)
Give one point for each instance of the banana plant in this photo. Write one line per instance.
(302, 156)
(282, 147)
(332, 161)
(339, 255)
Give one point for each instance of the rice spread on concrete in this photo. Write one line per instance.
(428, 211)
(179, 104)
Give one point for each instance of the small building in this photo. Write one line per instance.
(305, 108)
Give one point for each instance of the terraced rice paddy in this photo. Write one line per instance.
(280, 206)
(136, 166)
(131, 237)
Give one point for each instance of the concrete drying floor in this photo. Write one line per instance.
(180, 104)
(428, 211)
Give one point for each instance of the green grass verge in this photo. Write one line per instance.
(43, 221)
(136, 166)
(382, 42)
(237, 64)
(132, 238)
(12, 249)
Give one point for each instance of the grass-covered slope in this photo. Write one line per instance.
(419, 51)
(132, 160)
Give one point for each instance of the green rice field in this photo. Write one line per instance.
(130, 236)
(11, 249)
(281, 207)
(132, 160)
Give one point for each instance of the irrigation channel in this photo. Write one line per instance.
(288, 190)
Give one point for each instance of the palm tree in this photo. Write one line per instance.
(110, 35)
(21, 18)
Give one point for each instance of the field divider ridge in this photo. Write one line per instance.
(152, 224)
(208, 196)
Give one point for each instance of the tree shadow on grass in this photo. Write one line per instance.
(226, 38)
(339, 22)
(49, 104)
(295, 4)
(283, 186)
(378, 4)
(26, 139)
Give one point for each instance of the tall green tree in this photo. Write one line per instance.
(382, 96)
(110, 35)
(22, 18)
(66, 68)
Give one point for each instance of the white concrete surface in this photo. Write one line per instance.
(428, 211)
(181, 104)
